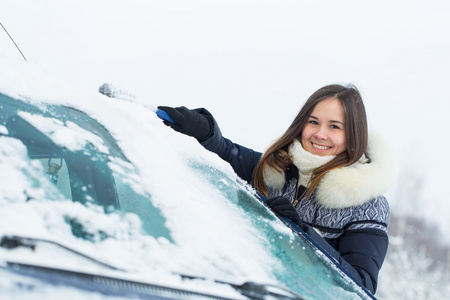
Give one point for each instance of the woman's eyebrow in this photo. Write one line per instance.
(331, 121)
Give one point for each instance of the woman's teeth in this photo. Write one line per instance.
(320, 147)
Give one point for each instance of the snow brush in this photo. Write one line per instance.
(110, 91)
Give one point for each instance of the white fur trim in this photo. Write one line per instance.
(359, 183)
(274, 178)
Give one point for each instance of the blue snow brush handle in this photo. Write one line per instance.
(111, 91)
(164, 116)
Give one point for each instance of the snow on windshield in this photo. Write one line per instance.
(68, 135)
(21, 178)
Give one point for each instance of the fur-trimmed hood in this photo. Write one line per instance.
(348, 186)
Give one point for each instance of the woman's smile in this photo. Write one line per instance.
(320, 147)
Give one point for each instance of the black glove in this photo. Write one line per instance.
(189, 122)
(284, 207)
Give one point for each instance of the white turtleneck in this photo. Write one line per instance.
(306, 162)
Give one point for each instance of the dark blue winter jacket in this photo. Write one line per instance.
(354, 233)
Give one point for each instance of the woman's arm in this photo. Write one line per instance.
(200, 124)
(365, 250)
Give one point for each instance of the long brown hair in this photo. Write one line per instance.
(277, 155)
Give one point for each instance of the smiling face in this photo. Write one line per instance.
(324, 133)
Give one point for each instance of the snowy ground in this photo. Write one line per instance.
(254, 63)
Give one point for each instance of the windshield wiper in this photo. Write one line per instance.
(262, 291)
(258, 291)
(14, 241)
(106, 285)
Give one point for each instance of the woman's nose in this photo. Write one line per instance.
(321, 133)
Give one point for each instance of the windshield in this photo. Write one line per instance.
(82, 166)
(74, 177)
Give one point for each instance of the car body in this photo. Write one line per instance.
(101, 199)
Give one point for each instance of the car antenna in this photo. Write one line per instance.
(13, 41)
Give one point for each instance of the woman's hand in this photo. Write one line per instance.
(284, 207)
(189, 122)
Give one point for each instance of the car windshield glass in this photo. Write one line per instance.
(82, 160)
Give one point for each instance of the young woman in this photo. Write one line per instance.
(324, 173)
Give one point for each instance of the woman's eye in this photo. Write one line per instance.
(313, 122)
(335, 127)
